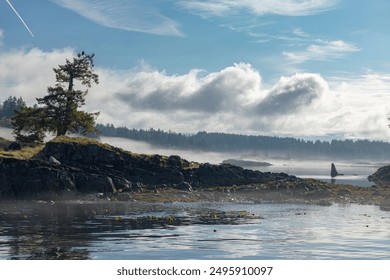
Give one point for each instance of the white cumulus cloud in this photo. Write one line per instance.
(294, 93)
(232, 100)
(28, 73)
(192, 92)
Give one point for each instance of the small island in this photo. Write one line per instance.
(246, 163)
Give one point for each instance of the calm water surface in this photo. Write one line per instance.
(134, 230)
(355, 173)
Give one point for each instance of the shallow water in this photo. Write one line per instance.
(353, 173)
(135, 230)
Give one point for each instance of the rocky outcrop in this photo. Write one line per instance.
(226, 175)
(246, 163)
(36, 178)
(381, 177)
(333, 171)
(86, 166)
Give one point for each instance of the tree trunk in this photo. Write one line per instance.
(61, 130)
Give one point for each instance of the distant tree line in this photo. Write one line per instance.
(267, 146)
(8, 108)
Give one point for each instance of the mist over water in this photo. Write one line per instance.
(355, 172)
(190, 155)
(6, 133)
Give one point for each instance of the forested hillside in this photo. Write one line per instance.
(267, 146)
(7, 109)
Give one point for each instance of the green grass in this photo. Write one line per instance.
(80, 141)
(24, 153)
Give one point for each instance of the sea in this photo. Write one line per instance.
(185, 231)
(136, 230)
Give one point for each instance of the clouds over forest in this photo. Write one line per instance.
(233, 100)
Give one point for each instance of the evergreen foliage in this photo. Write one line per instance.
(58, 112)
(8, 108)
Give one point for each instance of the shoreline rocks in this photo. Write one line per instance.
(79, 167)
(87, 166)
(381, 177)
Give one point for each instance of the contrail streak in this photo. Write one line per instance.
(25, 25)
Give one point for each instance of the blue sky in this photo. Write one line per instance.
(306, 68)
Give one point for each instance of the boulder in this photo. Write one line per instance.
(14, 146)
(381, 177)
(54, 161)
(183, 186)
(344, 192)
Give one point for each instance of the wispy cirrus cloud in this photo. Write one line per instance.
(129, 15)
(322, 50)
(300, 33)
(209, 8)
(1, 37)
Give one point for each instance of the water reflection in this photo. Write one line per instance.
(68, 230)
(116, 230)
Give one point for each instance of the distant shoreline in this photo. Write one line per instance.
(246, 163)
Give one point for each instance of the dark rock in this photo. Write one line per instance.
(32, 178)
(318, 194)
(14, 146)
(123, 196)
(333, 171)
(324, 203)
(138, 187)
(184, 186)
(344, 192)
(121, 184)
(126, 190)
(174, 161)
(381, 177)
(225, 175)
(90, 167)
(54, 161)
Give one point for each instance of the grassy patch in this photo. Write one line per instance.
(34, 152)
(191, 165)
(80, 141)
(24, 153)
(89, 141)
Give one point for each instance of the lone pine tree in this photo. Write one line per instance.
(59, 111)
